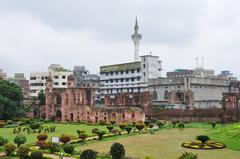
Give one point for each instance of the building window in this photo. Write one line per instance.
(138, 78)
(132, 79)
(63, 83)
(144, 73)
(55, 77)
(106, 81)
(63, 77)
(111, 73)
(166, 95)
(144, 65)
(138, 70)
(121, 72)
(122, 80)
(116, 73)
(106, 74)
(127, 79)
(116, 80)
(132, 71)
(154, 95)
(111, 81)
(127, 72)
(33, 78)
(56, 83)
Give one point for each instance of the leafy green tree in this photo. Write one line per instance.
(20, 139)
(41, 98)
(10, 101)
(117, 151)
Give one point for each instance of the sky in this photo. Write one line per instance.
(35, 34)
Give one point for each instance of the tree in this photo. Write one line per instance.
(10, 101)
(117, 151)
(41, 98)
(128, 129)
(20, 139)
(109, 127)
(203, 138)
(88, 154)
(100, 134)
(139, 126)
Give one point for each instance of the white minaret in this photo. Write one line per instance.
(136, 39)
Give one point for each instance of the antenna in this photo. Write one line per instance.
(197, 61)
(202, 61)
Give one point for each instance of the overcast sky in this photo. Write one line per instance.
(35, 34)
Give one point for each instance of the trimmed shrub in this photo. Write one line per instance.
(68, 148)
(88, 154)
(9, 149)
(117, 151)
(100, 134)
(35, 126)
(128, 129)
(80, 132)
(52, 128)
(54, 147)
(37, 155)
(83, 136)
(213, 123)
(42, 137)
(174, 123)
(95, 130)
(147, 122)
(122, 126)
(109, 127)
(42, 144)
(113, 121)
(102, 122)
(151, 125)
(159, 123)
(203, 138)
(115, 131)
(188, 155)
(181, 125)
(139, 126)
(3, 141)
(20, 139)
(23, 151)
(65, 139)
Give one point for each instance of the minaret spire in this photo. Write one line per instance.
(136, 40)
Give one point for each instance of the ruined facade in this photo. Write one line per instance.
(78, 104)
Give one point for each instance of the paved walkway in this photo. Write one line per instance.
(57, 157)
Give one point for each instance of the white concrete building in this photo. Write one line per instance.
(205, 92)
(129, 77)
(38, 79)
(3, 75)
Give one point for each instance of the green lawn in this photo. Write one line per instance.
(164, 144)
(68, 129)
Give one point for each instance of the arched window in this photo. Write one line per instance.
(59, 99)
(166, 95)
(155, 96)
(133, 115)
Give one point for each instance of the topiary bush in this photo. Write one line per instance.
(94, 130)
(181, 125)
(188, 155)
(159, 123)
(147, 122)
(88, 154)
(3, 141)
(117, 151)
(68, 148)
(109, 127)
(35, 126)
(203, 138)
(80, 132)
(139, 126)
(174, 123)
(23, 151)
(213, 123)
(83, 136)
(42, 144)
(54, 147)
(115, 131)
(20, 139)
(100, 134)
(37, 155)
(128, 129)
(9, 149)
(65, 139)
(42, 137)
(122, 126)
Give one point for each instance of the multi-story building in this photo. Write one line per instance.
(3, 75)
(129, 77)
(197, 72)
(193, 92)
(132, 76)
(56, 72)
(21, 80)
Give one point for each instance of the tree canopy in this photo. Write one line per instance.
(10, 100)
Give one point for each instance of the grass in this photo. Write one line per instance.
(166, 143)
(68, 129)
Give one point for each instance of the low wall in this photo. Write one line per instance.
(195, 115)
